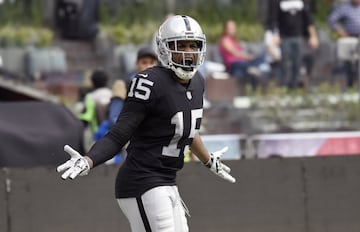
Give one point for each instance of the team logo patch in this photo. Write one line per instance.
(188, 95)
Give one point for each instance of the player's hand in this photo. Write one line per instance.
(75, 166)
(217, 167)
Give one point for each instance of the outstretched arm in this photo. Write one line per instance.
(106, 147)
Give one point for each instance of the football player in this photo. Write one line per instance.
(161, 118)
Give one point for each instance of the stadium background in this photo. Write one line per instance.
(317, 194)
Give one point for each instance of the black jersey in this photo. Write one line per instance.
(167, 117)
(290, 17)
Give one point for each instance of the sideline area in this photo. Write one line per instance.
(282, 195)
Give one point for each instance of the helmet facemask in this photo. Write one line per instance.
(190, 61)
(171, 34)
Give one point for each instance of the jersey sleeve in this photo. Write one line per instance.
(141, 88)
(136, 107)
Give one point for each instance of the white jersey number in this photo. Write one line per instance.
(178, 120)
(140, 88)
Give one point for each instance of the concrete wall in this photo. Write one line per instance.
(284, 195)
(3, 200)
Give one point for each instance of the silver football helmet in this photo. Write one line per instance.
(179, 28)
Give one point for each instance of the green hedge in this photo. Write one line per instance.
(128, 12)
(137, 33)
(136, 21)
(12, 35)
(326, 96)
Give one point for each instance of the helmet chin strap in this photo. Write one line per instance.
(185, 72)
(182, 74)
(186, 69)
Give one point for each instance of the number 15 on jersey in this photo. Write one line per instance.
(173, 149)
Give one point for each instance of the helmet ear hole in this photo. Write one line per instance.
(199, 44)
(171, 45)
(181, 28)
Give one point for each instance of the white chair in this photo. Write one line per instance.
(347, 49)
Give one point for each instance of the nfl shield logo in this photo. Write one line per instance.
(188, 94)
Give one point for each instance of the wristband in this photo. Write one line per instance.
(210, 162)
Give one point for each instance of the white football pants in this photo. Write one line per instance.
(159, 209)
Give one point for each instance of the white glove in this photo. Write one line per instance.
(217, 167)
(76, 165)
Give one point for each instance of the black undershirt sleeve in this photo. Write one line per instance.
(129, 119)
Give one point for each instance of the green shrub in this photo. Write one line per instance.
(11, 35)
(134, 34)
(138, 33)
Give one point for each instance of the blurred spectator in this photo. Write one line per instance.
(273, 51)
(345, 21)
(292, 19)
(115, 106)
(77, 19)
(117, 100)
(272, 43)
(336, 3)
(312, 6)
(308, 53)
(239, 63)
(146, 58)
(96, 102)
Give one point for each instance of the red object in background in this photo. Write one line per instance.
(340, 146)
(308, 144)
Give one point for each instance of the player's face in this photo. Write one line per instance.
(145, 62)
(185, 54)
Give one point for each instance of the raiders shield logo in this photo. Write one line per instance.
(188, 94)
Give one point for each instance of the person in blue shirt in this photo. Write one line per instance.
(114, 108)
(345, 21)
